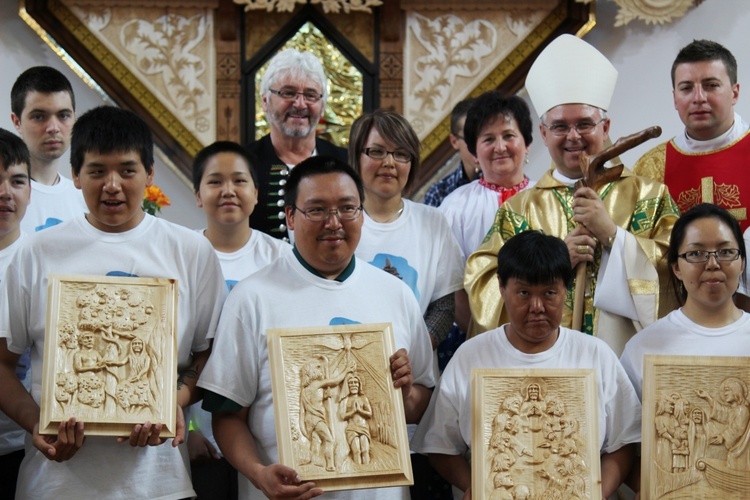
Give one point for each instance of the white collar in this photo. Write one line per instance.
(690, 145)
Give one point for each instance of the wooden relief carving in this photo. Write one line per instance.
(339, 421)
(534, 434)
(696, 427)
(110, 354)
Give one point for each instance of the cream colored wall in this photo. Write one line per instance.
(643, 55)
(21, 48)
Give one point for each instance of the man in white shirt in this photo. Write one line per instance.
(320, 283)
(14, 197)
(43, 113)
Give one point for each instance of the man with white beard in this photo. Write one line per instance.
(293, 90)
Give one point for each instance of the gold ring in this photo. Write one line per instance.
(583, 249)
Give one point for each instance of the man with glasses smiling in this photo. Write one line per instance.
(293, 91)
(619, 232)
(320, 283)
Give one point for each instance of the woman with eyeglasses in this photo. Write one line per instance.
(498, 133)
(410, 240)
(707, 258)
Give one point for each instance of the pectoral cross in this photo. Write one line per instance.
(707, 196)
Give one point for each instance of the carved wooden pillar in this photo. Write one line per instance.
(392, 57)
(228, 64)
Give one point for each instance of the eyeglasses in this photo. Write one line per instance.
(381, 154)
(320, 214)
(563, 129)
(290, 95)
(702, 256)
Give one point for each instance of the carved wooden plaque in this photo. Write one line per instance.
(696, 427)
(339, 420)
(534, 434)
(110, 354)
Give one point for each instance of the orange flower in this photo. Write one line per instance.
(154, 200)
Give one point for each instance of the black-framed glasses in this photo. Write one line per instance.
(563, 129)
(289, 95)
(320, 214)
(400, 155)
(702, 256)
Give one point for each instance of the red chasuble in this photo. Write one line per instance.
(718, 177)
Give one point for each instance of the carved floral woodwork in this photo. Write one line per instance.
(329, 6)
(650, 11)
(170, 50)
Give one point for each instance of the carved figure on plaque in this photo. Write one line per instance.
(357, 412)
(314, 421)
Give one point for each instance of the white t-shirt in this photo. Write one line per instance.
(470, 211)
(51, 205)
(11, 434)
(285, 294)
(677, 335)
(102, 468)
(420, 247)
(259, 251)
(446, 425)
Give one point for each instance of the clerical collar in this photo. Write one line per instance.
(735, 132)
(348, 270)
(563, 179)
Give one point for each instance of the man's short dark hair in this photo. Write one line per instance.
(205, 154)
(319, 165)
(535, 258)
(38, 79)
(107, 129)
(489, 107)
(458, 113)
(706, 50)
(13, 151)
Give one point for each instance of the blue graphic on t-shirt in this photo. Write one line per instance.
(122, 274)
(24, 364)
(338, 320)
(400, 268)
(230, 284)
(51, 221)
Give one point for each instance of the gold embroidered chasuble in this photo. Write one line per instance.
(639, 205)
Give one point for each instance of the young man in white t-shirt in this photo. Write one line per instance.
(112, 160)
(14, 197)
(43, 113)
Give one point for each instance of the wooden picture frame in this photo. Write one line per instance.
(110, 354)
(534, 442)
(327, 434)
(688, 402)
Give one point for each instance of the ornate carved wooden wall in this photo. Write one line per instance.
(189, 69)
